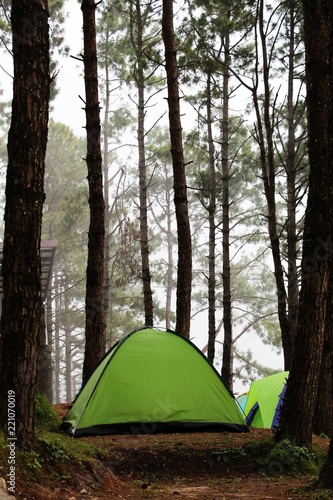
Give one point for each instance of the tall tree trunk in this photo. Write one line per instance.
(266, 145)
(44, 367)
(325, 480)
(50, 346)
(68, 344)
(21, 269)
(302, 385)
(106, 285)
(184, 269)
(95, 321)
(57, 354)
(144, 237)
(227, 359)
(169, 286)
(323, 418)
(212, 230)
(326, 24)
(167, 231)
(293, 291)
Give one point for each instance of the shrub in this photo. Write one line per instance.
(55, 449)
(286, 458)
(46, 418)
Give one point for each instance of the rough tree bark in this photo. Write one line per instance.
(184, 269)
(323, 417)
(326, 474)
(95, 321)
(27, 139)
(302, 385)
(325, 480)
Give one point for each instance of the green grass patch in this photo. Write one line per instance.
(52, 455)
(46, 418)
(273, 459)
(286, 458)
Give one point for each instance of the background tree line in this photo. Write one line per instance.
(252, 310)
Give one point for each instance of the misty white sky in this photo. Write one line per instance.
(68, 105)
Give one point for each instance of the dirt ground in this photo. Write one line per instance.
(172, 466)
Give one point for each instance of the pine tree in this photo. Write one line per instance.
(184, 269)
(22, 302)
(316, 290)
(95, 320)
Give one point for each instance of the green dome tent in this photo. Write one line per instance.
(264, 401)
(153, 381)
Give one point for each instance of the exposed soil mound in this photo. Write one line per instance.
(196, 466)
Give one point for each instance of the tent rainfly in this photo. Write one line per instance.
(153, 381)
(241, 400)
(264, 401)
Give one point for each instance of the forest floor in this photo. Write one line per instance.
(196, 466)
